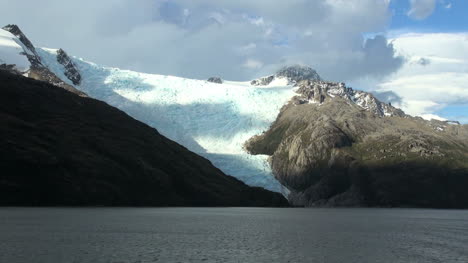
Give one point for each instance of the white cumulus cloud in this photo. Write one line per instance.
(199, 39)
(441, 81)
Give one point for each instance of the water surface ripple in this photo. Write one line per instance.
(232, 235)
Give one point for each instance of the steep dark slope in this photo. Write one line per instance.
(57, 148)
(330, 151)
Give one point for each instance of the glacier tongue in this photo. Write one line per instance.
(213, 120)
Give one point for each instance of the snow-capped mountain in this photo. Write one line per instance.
(320, 91)
(291, 75)
(212, 118)
(21, 55)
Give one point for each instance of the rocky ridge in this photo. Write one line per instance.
(333, 146)
(312, 89)
(71, 72)
(317, 91)
(293, 75)
(41, 72)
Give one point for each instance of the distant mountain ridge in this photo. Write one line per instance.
(325, 144)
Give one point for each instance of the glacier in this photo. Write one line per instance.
(11, 51)
(213, 120)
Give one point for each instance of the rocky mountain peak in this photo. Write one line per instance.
(294, 74)
(16, 31)
(297, 73)
(318, 91)
(30, 50)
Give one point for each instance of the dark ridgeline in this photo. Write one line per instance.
(59, 148)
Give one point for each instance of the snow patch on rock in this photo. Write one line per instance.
(321, 91)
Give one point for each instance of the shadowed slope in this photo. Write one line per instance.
(58, 148)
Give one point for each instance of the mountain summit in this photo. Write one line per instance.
(291, 74)
(298, 73)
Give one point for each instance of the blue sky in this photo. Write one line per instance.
(455, 112)
(448, 16)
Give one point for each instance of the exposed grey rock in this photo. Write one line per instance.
(262, 81)
(293, 74)
(217, 80)
(71, 71)
(38, 70)
(330, 151)
(318, 91)
(298, 73)
(31, 52)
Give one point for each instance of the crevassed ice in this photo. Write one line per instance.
(213, 120)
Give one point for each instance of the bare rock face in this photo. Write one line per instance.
(217, 80)
(71, 71)
(313, 91)
(297, 73)
(44, 74)
(264, 81)
(39, 71)
(31, 52)
(293, 74)
(329, 148)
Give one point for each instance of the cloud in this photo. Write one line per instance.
(424, 61)
(199, 39)
(432, 117)
(427, 88)
(253, 64)
(447, 4)
(421, 9)
(388, 97)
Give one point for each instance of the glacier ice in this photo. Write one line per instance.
(213, 120)
(11, 50)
